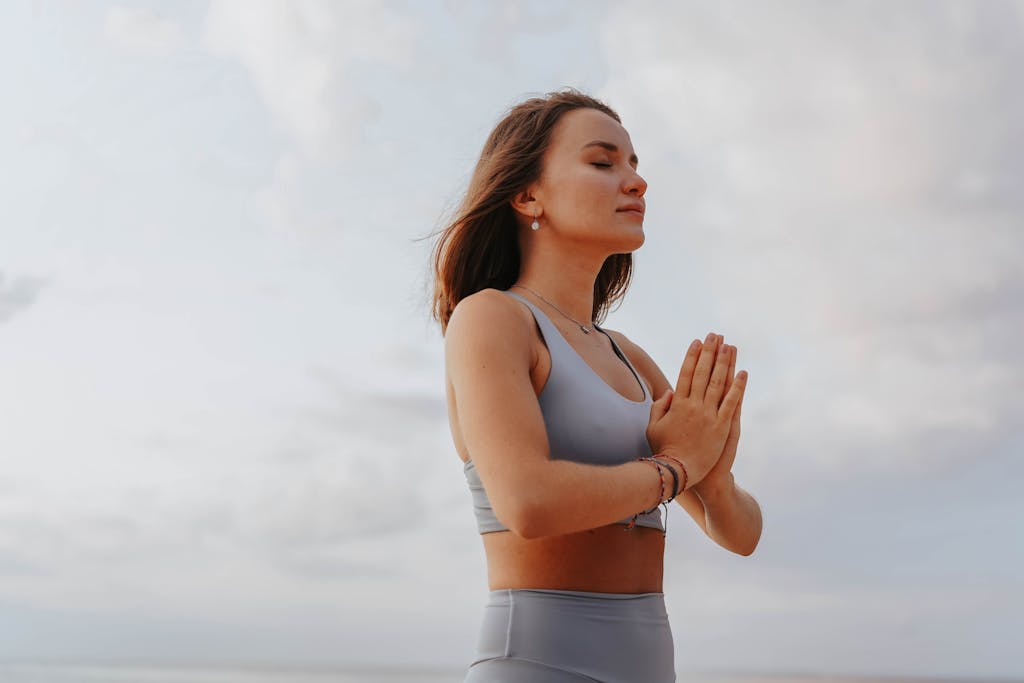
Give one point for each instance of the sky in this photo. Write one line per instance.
(223, 432)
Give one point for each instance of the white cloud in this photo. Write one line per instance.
(306, 58)
(240, 435)
(142, 30)
(838, 182)
(18, 294)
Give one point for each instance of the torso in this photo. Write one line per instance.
(607, 559)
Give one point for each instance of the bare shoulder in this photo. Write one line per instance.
(644, 364)
(490, 319)
(489, 302)
(487, 359)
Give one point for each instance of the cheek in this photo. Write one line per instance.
(582, 195)
(590, 192)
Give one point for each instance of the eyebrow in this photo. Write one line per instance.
(610, 147)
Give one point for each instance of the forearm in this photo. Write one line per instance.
(573, 496)
(732, 517)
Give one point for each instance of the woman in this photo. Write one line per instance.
(563, 446)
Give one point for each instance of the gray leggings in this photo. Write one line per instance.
(561, 636)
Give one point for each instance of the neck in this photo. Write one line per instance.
(573, 296)
(562, 271)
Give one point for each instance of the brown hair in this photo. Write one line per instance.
(479, 247)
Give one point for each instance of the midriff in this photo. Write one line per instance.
(606, 559)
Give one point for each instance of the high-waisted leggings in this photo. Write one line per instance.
(563, 636)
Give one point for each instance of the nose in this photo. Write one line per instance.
(636, 183)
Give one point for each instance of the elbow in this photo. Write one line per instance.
(513, 517)
(530, 528)
(526, 522)
(750, 551)
(524, 515)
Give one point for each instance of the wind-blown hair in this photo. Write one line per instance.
(479, 248)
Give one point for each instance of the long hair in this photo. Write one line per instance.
(479, 247)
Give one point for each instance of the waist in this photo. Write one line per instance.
(608, 559)
(501, 595)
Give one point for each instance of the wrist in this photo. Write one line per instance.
(710, 489)
(678, 470)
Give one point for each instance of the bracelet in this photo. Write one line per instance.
(675, 483)
(661, 477)
(686, 476)
(661, 493)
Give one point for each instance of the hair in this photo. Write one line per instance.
(479, 247)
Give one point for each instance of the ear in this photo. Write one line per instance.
(525, 204)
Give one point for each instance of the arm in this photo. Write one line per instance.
(733, 517)
(488, 355)
(726, 513)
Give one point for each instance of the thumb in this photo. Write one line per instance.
(661, 406)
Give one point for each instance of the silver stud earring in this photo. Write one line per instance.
(535, 225)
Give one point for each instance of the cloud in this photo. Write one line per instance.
(11, 564)
(305, 59)
(499, 28)
(837, 193)
(315, 65)
(18, 294)
(848, 188)
(142, 30)
(359, 466)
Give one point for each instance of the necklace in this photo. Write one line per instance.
(586, 330)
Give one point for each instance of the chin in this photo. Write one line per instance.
(637, 242)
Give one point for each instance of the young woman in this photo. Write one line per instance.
(565, 451)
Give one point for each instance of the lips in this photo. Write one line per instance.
(636, 208)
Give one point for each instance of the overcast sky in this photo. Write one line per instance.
(222, 422)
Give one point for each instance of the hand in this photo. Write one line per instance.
(720, 477)
(693, 423)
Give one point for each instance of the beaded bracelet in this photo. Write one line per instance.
(661, 476)
(686, 476)
(661, 494)
(676, 489)
(675, 483)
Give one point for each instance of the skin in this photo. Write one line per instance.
(577, 201)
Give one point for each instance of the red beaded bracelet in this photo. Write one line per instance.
(661, 476)
(661, 494)
(686, 476)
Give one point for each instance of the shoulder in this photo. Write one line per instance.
(489, 307)
(644, 364)
(488, 319)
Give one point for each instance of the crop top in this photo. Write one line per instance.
(586, 420)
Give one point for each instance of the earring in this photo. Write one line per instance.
(535, 225)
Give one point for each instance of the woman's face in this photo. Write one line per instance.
(585, 188)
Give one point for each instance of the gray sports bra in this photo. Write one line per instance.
(586, 420)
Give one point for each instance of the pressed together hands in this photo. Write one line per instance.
(699, 422)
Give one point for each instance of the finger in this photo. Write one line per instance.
(716, 385)
(686, 371)
(732, 367)
(734, 436)
(732, 399)
(660, 407)
(702, 373)
(735, 426)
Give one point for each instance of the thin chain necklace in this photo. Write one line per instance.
(586, 330)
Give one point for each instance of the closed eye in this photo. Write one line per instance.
(603, 165)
